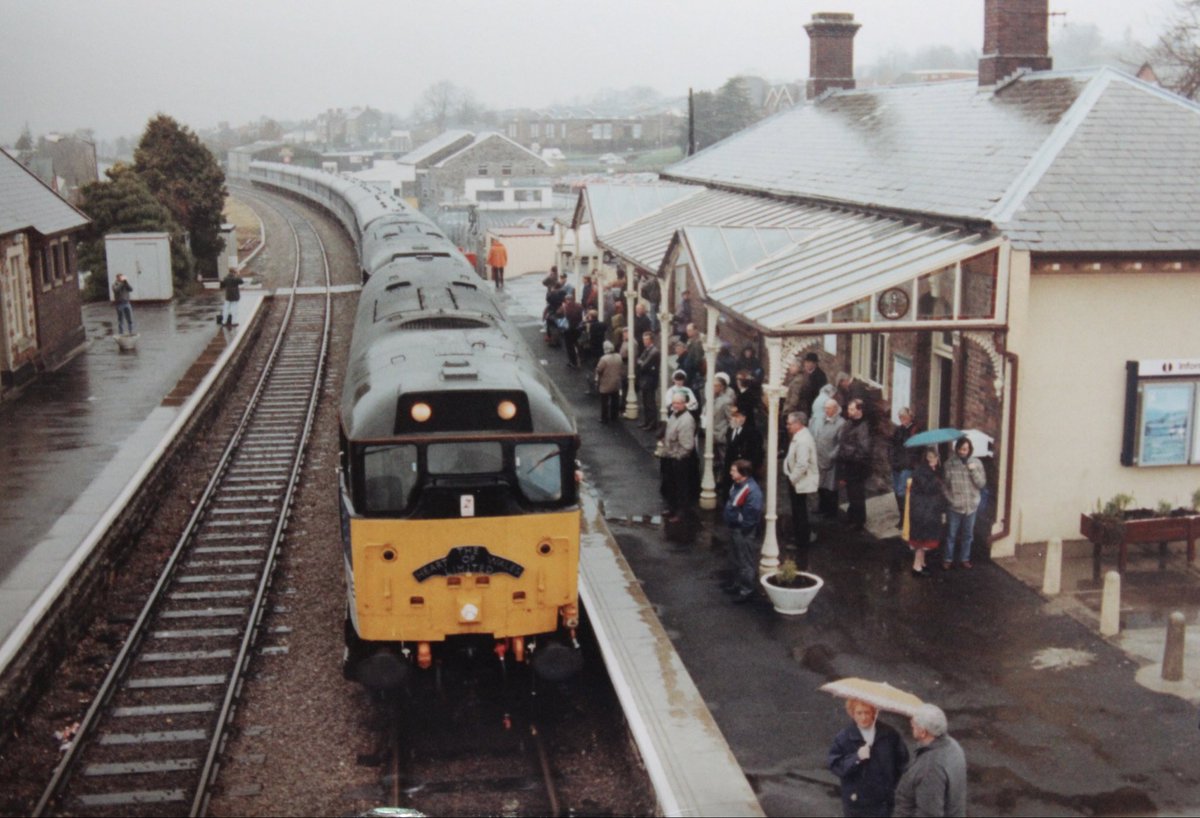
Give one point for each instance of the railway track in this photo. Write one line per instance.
(150, 743)
(470, 755)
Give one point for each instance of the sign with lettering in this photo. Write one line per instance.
(1170, 368)
(468, 559)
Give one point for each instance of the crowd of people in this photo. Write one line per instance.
(830, 439)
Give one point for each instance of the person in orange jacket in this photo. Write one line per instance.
(498, 260)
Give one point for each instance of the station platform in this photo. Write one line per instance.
(76, 441)
(1051, 716)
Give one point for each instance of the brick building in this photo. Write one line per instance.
(590, 133)
(1018, 254)
(41, 319)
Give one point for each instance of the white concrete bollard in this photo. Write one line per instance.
(1172, 669)
(1052, 578)
(1110, 605)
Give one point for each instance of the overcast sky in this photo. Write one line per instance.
(111, 64)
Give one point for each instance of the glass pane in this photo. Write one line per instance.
(1164, 425)
(935, 294)
(711, 255)
(858, 311)
(979, 286)
(390, 474)
(539, 471)
(465, 458)
(745, 247)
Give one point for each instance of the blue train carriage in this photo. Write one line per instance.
(460, 517)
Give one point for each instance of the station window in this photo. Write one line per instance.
(489, 195)
(527, 195)
(1162, 413)
(483, 170)
(506, 169)
(38, 268)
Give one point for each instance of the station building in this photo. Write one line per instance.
(1017, 253)
(41, 314)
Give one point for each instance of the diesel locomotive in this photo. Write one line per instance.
(460, 517)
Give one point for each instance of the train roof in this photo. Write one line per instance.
(428, 325)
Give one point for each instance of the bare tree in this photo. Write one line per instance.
(438, 103)
(1178, 50)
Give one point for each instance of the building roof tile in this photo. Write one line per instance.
(26, 202)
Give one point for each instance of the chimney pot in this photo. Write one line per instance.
(831, 52)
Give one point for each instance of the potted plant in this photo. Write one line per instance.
(791, 590)
(1114, 523)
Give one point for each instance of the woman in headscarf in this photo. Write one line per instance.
(926, 506)
(868, 757)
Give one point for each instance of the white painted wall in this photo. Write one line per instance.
(1073, 341)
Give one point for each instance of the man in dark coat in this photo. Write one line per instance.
(854, 463)
(647, 381)
(742, 442)
(814, 381)
(868, 757)
(573, 313)
(231, 284)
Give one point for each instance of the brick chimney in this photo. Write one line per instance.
(1014, 36)
(830, 52)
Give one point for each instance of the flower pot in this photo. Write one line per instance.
(792, 601)
(126, 343)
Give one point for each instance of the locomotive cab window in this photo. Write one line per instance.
(465, 458)
(389, 477)
(539, 471)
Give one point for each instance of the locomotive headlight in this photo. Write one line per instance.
(469, 612)
(507, 410)
(421, 412)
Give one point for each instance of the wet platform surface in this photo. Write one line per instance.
(73, 439)
(1051, 716)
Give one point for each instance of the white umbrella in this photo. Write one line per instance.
(878, 694)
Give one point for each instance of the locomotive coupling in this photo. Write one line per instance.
(570, 616)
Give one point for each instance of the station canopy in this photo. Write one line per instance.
(796, 268)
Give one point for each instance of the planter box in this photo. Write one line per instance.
(1154, 529)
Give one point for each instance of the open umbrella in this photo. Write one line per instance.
(878, 694)
(933, 436)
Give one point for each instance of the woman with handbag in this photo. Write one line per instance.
(924, 510)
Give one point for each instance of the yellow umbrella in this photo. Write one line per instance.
(878, 694)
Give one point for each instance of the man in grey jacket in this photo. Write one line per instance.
(935, 783)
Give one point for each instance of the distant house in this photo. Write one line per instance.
(444, 164)
(41, 318)
(65, 163)
(592, 132)
(389, 176)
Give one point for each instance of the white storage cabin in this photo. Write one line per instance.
(145, 259)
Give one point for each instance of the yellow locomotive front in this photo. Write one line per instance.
(461, 524)
(455, 535)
